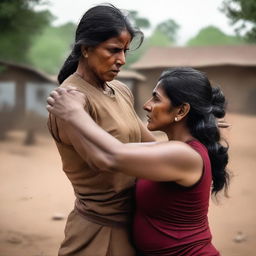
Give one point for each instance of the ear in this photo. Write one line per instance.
(182, 112)
(84, 51)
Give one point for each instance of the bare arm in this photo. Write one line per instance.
(171, 161)
(87, 151)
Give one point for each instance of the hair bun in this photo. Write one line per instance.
(218, 103)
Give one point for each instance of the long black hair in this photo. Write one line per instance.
(97, 25)
(207, 103)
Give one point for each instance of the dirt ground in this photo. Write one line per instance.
(33, 190)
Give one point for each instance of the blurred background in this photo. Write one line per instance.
(217, 37)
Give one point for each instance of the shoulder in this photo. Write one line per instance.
(68, 81)
(181, 151)
(199, 148)
(187, 160)
(182, 157)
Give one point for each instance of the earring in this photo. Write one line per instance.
(85, 54)
(176, 119)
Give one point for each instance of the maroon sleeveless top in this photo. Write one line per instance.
(171, 219)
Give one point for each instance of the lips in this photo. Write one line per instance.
(149, 118)
(115, 71)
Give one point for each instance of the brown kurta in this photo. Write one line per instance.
(99, 224)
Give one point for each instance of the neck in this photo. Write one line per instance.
(179, 132)
(86, 74)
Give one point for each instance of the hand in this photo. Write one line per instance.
(65, 102)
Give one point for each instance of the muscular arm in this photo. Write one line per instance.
(170, 161)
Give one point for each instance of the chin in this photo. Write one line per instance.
(110, 77)
(150, 128)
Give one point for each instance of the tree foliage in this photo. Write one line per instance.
(138, 21)
(242, 13)
(170, 29)
(19, 22)
(213, 36)
(164, 34)
(51, 47)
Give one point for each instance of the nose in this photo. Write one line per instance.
(147, 106)
(121, 58)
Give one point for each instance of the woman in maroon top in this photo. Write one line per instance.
(175, 177)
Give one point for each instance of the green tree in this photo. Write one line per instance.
(242, 13)
(157, 38)
(51, 47)
(140, 22)
(169, 28)
(165, 34)
(19, 23)
(213, 36)
(143, 24)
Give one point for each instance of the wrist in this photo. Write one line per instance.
(74, 115)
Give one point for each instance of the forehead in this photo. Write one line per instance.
(124, 38)
(159, 90)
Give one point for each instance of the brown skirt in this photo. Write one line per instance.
(85, 238)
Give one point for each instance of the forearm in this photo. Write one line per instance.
(96, 157)
(102, 141)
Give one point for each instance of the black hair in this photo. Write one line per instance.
(207, 103)
(97, 25)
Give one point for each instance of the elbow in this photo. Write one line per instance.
(108, 163)
(114, 161)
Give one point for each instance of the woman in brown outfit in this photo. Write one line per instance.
(99, 223)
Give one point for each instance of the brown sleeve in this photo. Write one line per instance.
(53, 127)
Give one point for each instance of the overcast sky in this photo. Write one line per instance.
(191, 15)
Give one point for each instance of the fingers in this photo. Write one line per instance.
(57, 92)
(71, 88)
(49, 108)
(50, 101)
(54, 94)
(61, 90)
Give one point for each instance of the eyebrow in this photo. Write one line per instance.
(154, 93)
(116, 44)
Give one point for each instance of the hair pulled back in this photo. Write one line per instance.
(207, 103)
(97, 25)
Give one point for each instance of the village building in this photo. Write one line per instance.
(233, 68)
(24, 90)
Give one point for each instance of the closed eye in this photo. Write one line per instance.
(117, 50)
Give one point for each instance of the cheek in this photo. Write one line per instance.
(162, 116)
(100, 59)
(106, 64)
